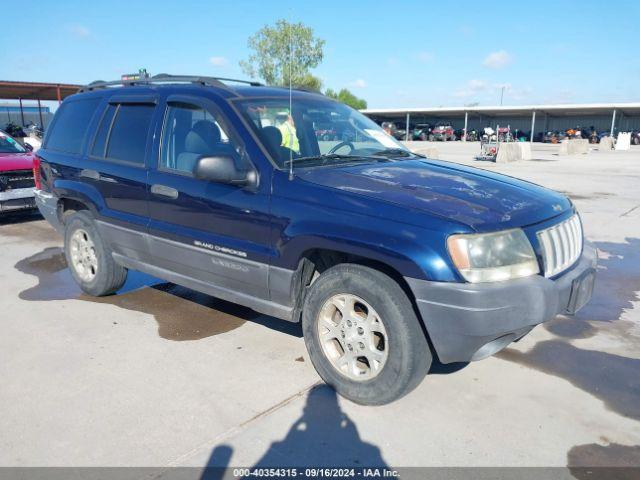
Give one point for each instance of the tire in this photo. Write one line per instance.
(99, 274)
(405, 352)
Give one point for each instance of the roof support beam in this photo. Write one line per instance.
(21, 112)
(40, 114)
(466, 123)
(533, 126)
(406, 134)
(613, 122)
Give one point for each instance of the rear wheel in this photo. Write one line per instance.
(363, 336)
(89, 258)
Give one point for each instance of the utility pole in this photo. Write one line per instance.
(501, 95)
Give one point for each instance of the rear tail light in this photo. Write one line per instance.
(36, 173)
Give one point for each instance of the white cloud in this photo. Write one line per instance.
(359, 83)
(473, 87)
(425, 57)
(498, 59)
(80, 31)
(218, 61)
(479, 90)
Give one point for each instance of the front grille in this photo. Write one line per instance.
(561, 245)
(16, 179)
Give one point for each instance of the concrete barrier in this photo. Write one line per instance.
(508, 152)
(606, 143)
(574, 146)
(429, 152)
(525, 150)
(422, 149)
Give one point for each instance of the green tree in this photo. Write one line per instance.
(282, 48)
(348, 98)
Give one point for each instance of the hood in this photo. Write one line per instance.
(482, 200)
(16, 161)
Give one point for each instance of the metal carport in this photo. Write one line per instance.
(11, 90)
(611, 116)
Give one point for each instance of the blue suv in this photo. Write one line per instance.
(386, 257)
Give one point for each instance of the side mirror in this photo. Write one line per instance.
(222, 169)
(28, 147)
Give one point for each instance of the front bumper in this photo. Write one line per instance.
(17, 199)
(468, 321)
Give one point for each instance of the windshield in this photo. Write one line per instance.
(318, 132)
(9, 145)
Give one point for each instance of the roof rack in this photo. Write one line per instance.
(166, 78)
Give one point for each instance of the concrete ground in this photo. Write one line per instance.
(161, 376)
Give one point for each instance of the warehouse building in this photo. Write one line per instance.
(609, 117)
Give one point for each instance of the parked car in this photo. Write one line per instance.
(16, 175)
(602, 135)
(442, 133)
(382, 254)
(472, 135)
(554, 136)
(421, 132)
(399, 133)
(326, 133)
(393, 130)
(33, 138)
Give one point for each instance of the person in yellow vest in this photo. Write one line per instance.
(287, 127)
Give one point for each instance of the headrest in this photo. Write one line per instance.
(202, 138)
(273, 136)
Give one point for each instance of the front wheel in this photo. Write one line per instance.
(89, 257)
(363, 336)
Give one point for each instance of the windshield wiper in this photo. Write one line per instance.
(395, 152)
(330, 156)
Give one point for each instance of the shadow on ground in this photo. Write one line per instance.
(182, 314)
(617, 287)
(613, 461)
(612, 378)
(19, 217)
(324, 436)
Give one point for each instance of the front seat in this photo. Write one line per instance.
(273, 139)
(203, 139)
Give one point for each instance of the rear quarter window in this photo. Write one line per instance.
(70, 126)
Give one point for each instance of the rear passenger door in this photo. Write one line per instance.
(117, 167)
(214, 233)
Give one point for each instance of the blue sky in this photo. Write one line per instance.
(393, 54)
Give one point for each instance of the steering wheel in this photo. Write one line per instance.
(342, 144)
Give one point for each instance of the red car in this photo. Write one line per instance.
(442, 133)
(16, 176)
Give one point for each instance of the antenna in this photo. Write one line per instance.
(290, 97)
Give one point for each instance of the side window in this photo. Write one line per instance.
(189, 133)
(128, 137)
(100, 143)
(71, 124)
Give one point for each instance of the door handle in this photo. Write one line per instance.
(92, 174)
(164, 191)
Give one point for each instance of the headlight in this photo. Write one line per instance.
(493, 257)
